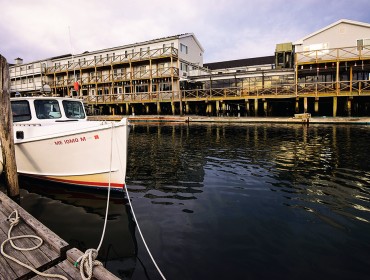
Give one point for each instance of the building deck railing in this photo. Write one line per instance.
(117, 77)
(325, 89)
(331, 55)
(113, 60)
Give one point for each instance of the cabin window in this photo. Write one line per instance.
(47, 109)
(73, 109)
(21, 111)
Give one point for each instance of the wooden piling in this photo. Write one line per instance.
(6, 132)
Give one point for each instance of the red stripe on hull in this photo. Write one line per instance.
(79, 183)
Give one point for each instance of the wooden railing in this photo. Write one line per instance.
(118, 77)
(344, 88)
(338, 54)
(112, 60)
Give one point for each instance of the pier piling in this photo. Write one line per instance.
(6, 132)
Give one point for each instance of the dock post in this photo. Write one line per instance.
(349, 106)
(316, 109)
(173, 108)
(247, 107)
(265, 107)
(256, 107)
(335, 106)
(6, 132)
(223, 108)
(297, 105)
(159, 108)
(305, 105)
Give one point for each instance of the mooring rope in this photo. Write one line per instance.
(142, 237)
(88, 260)
(13, 222)
(138, 227)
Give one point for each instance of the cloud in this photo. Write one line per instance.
(227, 30)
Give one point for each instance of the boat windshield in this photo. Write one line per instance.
(73, 109)
(47, 109)
(21, 111)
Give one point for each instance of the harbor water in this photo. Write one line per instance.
(228, 201)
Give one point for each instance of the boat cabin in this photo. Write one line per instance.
(47, 109)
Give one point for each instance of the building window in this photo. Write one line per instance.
(183, 48)
(361, 43)
(30, 80)
(30, 66)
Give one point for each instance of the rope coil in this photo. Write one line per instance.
(14, 219)
(87, 262)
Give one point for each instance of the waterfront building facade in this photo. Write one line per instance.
(324, 73)
(131, 72)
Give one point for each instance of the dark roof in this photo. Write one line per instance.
(241, 62)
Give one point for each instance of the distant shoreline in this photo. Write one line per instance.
(198, 119)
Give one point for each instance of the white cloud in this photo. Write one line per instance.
(232, 29)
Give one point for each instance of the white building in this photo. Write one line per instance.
(150, 66)
(341, 34)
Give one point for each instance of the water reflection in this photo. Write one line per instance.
(234, 189)
(228, 201)
(318, 164)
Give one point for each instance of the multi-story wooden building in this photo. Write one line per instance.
(129, 73)
(324, 73)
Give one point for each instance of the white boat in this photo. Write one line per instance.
(55, 141)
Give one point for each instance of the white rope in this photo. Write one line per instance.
(142, 237)
(87, 260)
(13, 222)
(141, 234)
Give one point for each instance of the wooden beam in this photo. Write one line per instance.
(6, 132)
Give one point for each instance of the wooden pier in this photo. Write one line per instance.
(54, 256)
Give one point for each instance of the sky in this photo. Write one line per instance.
(227, 29)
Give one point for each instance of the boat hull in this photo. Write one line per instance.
(92, 156)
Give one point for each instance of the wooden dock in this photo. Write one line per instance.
(54, 256)
(297, 119)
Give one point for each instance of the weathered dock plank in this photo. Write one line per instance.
(64, 268)
(51, 257)
(58, 244)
